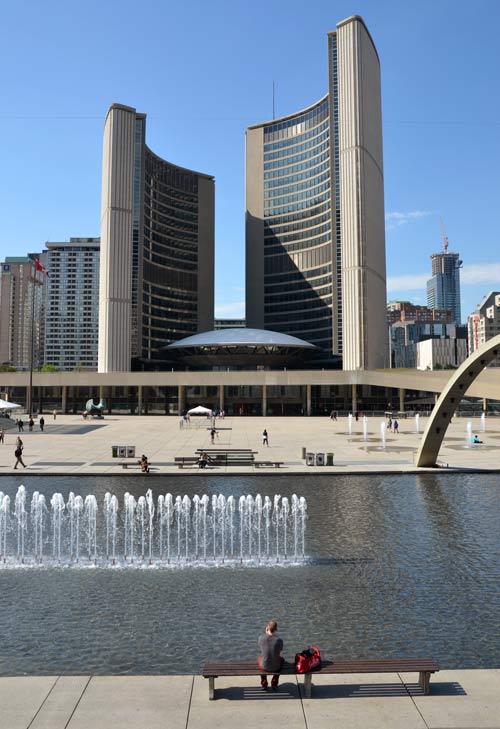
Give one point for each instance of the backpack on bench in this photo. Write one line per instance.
(308, 660)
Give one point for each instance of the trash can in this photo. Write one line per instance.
(320, 459)
(130, 451)
(304, 454)
(310, 459)
(122, 451)
(329, 459)
(114, 451)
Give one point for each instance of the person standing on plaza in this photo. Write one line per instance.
(2, 435)
(270, 658)
(54, 414)
(31, 423)
(19, 456)
(213, 433)
(395, 426)
(20, 425)
(42, 423)
(265, 438)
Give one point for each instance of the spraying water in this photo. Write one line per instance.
(349, 423)
(365, 428)
(483, 422)
(216, 529)
(382, 434)
(468, 434)
(417, 423)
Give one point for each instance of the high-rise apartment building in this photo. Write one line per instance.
(315, 231)
(71, 304)
(484, 323)
(21, 304)
(443, 288)
(157, 248)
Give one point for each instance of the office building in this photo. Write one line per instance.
(21, 306)
(315, 231)
(157, 248)
(443, 288)
(484, 323)
(72, 304)
(405, 311)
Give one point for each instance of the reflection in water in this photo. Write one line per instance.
(396, 565)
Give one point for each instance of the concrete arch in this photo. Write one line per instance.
(455, 389)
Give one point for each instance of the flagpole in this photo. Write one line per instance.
(30, 389)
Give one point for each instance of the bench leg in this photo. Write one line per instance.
(307, 685)
(424, 680)
(211, 688)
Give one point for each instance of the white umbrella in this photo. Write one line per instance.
(6, 405)
(199, 410)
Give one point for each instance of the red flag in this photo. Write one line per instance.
(39, 267)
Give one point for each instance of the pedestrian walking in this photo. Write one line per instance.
(19, 443)
(265, 438)
(213, 433)
(31, 423)
(395, 427)
(54, 414)
(20, 425)
(42, 423)
(2, 435)
(19, 456)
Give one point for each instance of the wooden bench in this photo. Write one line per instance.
(268, 464)
(423, 666)
(182, 461)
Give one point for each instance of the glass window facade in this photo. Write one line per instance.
(298, 226)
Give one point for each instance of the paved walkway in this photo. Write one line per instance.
(72, 445)
(458, 700)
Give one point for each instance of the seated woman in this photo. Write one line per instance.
(203, 460)
(144, 464)
(475, 439)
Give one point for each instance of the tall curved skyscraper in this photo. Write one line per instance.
(315, 231)
(156, 281)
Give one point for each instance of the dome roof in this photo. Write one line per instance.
(241, 337)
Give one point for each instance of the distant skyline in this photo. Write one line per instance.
(202, 73)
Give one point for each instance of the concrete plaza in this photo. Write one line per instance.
(459, 700)
(71, 445)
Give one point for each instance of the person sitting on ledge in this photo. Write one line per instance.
(203, 460)
(144, 464)
(475, 439)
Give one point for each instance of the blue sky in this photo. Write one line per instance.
(203, 72)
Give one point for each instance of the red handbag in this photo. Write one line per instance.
(308, 660)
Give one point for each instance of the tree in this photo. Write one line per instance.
(49, 368)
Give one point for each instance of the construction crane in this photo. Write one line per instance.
(445, 237)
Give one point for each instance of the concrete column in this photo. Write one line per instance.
(308, 400)
(354, 399)
(401, 399)
(139, 400)
(64, 398)
(264, 399)
(221, 397)
(181, 398)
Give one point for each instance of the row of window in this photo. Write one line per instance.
(298, 153)
(311, 182)
(284, 171)
(280, 130)
(271, 146)
(271, 212)
(300, 306)
(297, 246)
(310, 212)
(299, 196)
(304, 294)
(281, 231)
(283, 182)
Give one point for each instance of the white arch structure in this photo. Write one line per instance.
(455, 389)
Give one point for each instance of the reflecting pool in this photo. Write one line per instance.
(395, 565)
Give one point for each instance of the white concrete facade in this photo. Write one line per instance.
(362, 198)
(115, 283)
